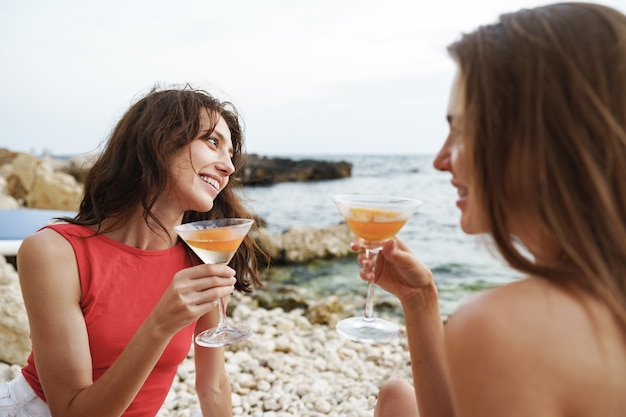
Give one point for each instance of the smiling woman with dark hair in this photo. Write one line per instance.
(113, 297)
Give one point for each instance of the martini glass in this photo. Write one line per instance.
(374, 220)
(215, 242)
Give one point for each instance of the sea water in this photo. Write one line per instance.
(461, 264)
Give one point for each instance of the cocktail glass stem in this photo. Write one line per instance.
(367, 328)
(222, 323)
(368, 314)
(224, 333)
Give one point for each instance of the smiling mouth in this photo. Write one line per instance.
(211, 181)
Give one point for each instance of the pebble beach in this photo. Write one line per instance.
(291, 367)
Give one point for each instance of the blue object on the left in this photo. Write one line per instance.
(16, 224)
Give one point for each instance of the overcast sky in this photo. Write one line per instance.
(309, 77)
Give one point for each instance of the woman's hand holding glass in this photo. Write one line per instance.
(194, 292)
(397, 270)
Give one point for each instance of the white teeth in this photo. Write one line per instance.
(210, 181)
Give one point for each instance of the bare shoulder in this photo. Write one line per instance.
(47, 259)
(45, 243)
(533, 339)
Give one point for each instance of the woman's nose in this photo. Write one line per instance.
(443, 157)
(226, 165)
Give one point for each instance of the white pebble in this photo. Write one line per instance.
(322, 406)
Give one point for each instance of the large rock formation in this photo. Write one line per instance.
(33, 183)
(265, 171)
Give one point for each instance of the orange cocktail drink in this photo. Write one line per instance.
(375, 224)
(215, 245)
(218, 240)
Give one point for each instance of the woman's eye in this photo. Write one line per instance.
(212, 141)
(456, 131)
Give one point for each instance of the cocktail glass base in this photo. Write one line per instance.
(222, 336)
(364, 330)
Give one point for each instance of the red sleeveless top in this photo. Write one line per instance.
(120, 286)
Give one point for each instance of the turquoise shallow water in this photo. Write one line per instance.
(461, 264)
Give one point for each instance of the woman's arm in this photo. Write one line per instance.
(212, 382)
(400, 273)
(51, 290)
(425, 336)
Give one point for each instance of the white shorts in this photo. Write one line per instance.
(17, 399)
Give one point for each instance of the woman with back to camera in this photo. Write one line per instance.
(537, 152)
(113, 297)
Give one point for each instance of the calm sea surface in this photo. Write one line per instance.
(461, 264)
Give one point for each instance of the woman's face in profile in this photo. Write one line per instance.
(451, 158)
(202, 169)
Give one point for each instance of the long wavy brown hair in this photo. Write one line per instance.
(133, 168)
(545, 120)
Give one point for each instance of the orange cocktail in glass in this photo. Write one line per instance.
(375, 224)
(373, 220)
(215, 242)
